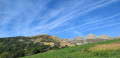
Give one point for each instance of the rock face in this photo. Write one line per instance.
(90, 36)
(90, 39)
(78, 38)
(104, 36)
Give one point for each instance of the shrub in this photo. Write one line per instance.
(84, 50)
(4, 55)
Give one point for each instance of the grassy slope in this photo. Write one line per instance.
(72, 52)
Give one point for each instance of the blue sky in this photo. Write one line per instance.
(63, 18)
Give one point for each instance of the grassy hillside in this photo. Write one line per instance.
(83, 51)
(14, 47)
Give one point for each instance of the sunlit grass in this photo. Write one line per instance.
(114, 46)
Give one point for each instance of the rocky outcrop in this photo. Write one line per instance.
(104, 36)
(92, 36)
(90, 39)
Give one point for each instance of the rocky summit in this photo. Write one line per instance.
(90, 38)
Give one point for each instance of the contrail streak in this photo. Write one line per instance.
(44, 4)
(94, 21)
(91, 22)
(71, 15)
(101, 27)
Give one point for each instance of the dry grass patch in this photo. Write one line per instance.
(68, 44)
(36, 40)
(48, 43)
(113, 46)
(1, 43)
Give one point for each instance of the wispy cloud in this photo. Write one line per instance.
(35, 17)
(96, 21)
(100, 27)
(85, 10)
(91, 22)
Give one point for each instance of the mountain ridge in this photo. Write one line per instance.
(90, 38)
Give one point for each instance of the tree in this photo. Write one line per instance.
(35, 51)
(19, 53)
(4, 55)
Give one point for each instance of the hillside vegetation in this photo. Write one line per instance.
(14, 47)
(93, 50)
